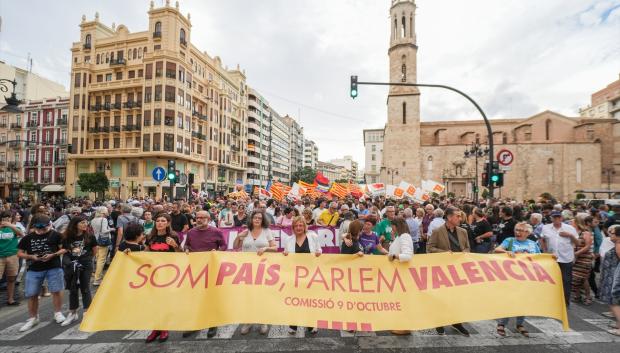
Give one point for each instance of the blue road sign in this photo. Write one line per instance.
(159, 174)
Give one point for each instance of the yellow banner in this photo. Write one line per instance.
(176, 291)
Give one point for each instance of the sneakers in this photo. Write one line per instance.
(264, 329)
(59, 317)
(608, 314)
(292, 331)
(245, 329)
(163, 336)
(313, 330)
(212, 332)
(70, 318)
(440, 331)
(30, 323)
(152, 336)
(96, 283)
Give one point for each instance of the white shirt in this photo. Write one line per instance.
(262, 241)
(403, 247)
(313, 243)
(435, 223)
(316, 213)
(562, 247)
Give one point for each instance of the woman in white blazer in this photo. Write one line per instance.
(304, 242)
(401, 249)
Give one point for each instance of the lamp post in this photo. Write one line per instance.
(476, 150)
(12, 103)
(609, 172)
(391, 171)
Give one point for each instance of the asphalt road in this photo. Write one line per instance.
(588, 335)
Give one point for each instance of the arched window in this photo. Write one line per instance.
(395, 28)
(144, 51)
(87, 39)
(135, 53)
(139, 53)
(97, 58)
(404, 112)
(504, 138)
(411, 26)
(550, 170)
(182, 36)
(578, 170)
(403, 30)
(107, 58)
(547, 129)
(158, 27)
(429, 163)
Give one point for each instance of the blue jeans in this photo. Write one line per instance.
(34, 280)
(504, 321)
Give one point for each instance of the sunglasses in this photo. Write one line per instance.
(40, 225)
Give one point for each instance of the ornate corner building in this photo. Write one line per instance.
(140, 99)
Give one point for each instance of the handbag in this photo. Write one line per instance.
(103, 239)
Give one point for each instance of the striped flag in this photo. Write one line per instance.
(306, 185)
(277, 192)
(338, 190)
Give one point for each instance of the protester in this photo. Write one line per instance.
(147, 222)
(351, 240)
(401, 250)
(103, 236)
(42, 249)
(519, 244)
(482, 232)
(449, 237)
(162, 239)
(436, 223)
(307, 214)
(9, 263)
(241, 218)
(287, 218)
(583, 258)
(80, 245)
(609, 264)
(204, 237)
(330, 216)
(257, 239)
(124, 219)
(384, 229)
(559, 238)
(302, 241)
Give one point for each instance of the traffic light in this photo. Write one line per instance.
(177, 176)
(171, 170)
(353, 87)
(497, 177)
(485, 179)
(190, 178)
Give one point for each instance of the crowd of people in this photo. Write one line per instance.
(67, 245)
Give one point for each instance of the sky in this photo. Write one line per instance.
(515, 57)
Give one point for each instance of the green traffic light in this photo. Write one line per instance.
(495, 178)
(353, 93)
(171, 176)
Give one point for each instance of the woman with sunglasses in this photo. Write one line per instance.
(519, 244)
(81, 246)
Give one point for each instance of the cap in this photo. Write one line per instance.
(556, 214)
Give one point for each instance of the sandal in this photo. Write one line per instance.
(501, 330)
(523, 331)
(14, 303)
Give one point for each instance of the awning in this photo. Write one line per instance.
(53, 188)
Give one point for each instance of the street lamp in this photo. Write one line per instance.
(476, 150)
(12, 103)
(391, 171)
(609, 172)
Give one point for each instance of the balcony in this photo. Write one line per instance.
(116, 106)
(61, 122)
(16, 126)
(115, 128)
(2, 125)
(46, 181)
(107, 106)
(60, 179)
(60, 162)
(86, 46)
(157, 34)
(61, 142)
(13, 165)
(2, 163)
(47, 142)
(235, 148)
(15, 144)
(32, 124)
(130, 127)
(48, 122)
(183, 42)
(46, 163)
(30, 163)
(132, 105)
(95, 108)
(118, 62)
(104, 129)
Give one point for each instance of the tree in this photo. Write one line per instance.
(306, 175)
(581, 196)
(93, 182)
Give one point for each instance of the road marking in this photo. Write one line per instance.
(551, 327)
(223, 332)
(74, 333)
(603, 324)
(278, 331)
(12, 333)
(137, 335)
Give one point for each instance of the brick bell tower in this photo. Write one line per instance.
(401, 147)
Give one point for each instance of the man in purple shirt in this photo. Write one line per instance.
(204, 237)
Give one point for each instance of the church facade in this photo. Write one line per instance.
(552, 153)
